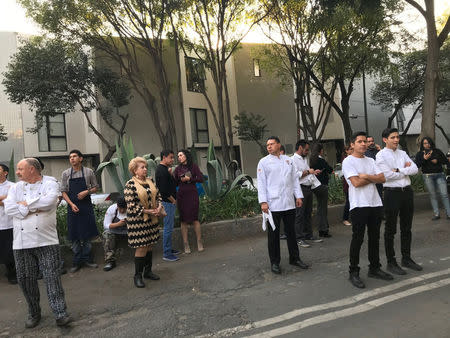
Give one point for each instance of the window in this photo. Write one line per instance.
(256, 68)
(52, 135)
(199, 125)
(195, 75)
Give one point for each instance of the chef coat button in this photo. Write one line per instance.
(37, 214)
(22, 229)
(36, 228)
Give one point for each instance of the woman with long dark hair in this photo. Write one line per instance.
(431, 160)
(187, 174)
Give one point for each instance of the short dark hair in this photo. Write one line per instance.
(301, 143)
(370, 136)
(5, 168)
(76, 151)
(165, 153)
(355, 136)
(274, 138)
(121, 202)
(282, 148)
(430, 141)
(388, 131)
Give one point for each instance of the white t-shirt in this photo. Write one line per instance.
(367, 195)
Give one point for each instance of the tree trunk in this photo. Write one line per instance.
(345, 118)
(179, 93)
(431, 77)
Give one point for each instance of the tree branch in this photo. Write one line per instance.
(444, 33)
(418, 7)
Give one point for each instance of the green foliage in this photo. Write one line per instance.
(237, 203)
(335, 192)
(61, 221)
(117, 168)
(251, 127)
(214, 187)
(417, 183)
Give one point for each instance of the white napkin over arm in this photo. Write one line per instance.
(267, 217)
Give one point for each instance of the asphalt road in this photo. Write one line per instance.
(229, 290)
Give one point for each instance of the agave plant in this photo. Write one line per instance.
(117, 168)
(214, 186)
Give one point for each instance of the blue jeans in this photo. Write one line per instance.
(168, 228)
(436, 183)
(81, 252)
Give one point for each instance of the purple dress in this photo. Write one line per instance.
(187, 195)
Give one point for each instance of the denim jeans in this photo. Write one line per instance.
(436, 183)
(81, 252)
(168, 228)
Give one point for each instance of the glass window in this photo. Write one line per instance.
(52, 134)
(195, 75)
(199, 125)
(256, 68)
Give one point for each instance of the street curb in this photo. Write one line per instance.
(229, 230)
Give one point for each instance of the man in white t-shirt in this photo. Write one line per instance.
(115, 225)
(362, 174)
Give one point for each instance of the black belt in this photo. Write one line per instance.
(306, 186)
(408, 187)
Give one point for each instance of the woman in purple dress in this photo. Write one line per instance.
(187, 174)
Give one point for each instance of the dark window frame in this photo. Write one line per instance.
(195, 74)
(49, 137)
(196, 131)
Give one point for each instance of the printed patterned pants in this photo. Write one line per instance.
(111, 243)
(28, 263)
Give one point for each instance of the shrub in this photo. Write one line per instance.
(335, 192)
(237, 203)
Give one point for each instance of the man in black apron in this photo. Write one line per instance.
(77, 183)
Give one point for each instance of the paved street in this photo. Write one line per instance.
(229, 289)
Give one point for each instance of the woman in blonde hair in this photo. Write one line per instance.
(143, 209)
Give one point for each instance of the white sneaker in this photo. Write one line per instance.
(303, 244)
(347, 223)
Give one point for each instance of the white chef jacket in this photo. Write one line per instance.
(6, 221)
(278, 182)
(35, 224)
(301, 164)
(388, 159)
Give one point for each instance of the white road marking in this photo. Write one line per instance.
(370, 305)
(326, 306)
(445, 259)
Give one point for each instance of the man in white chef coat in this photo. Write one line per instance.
(279, 193)
(32, 204)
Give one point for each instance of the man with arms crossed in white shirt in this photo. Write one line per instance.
(32, 204)
(279, 192)
(398, 200)
(362, 174)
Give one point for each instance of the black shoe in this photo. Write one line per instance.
(63, 321)
(324, 234)
(63, 271)
(32, 322)
(74, 268)
(395, 269)
(109, 266)
(90, 265)
(138, 282)
(409, 263)
(435, 217)
(283, 236)
(299, 263)
(150, 275)
(379, 274)
(276, 269)
(355, 280)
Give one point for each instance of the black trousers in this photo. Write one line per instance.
(303, 219)
(273, 236)
(398, 203)
(362, 217)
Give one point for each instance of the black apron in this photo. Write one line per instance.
(80, 225)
